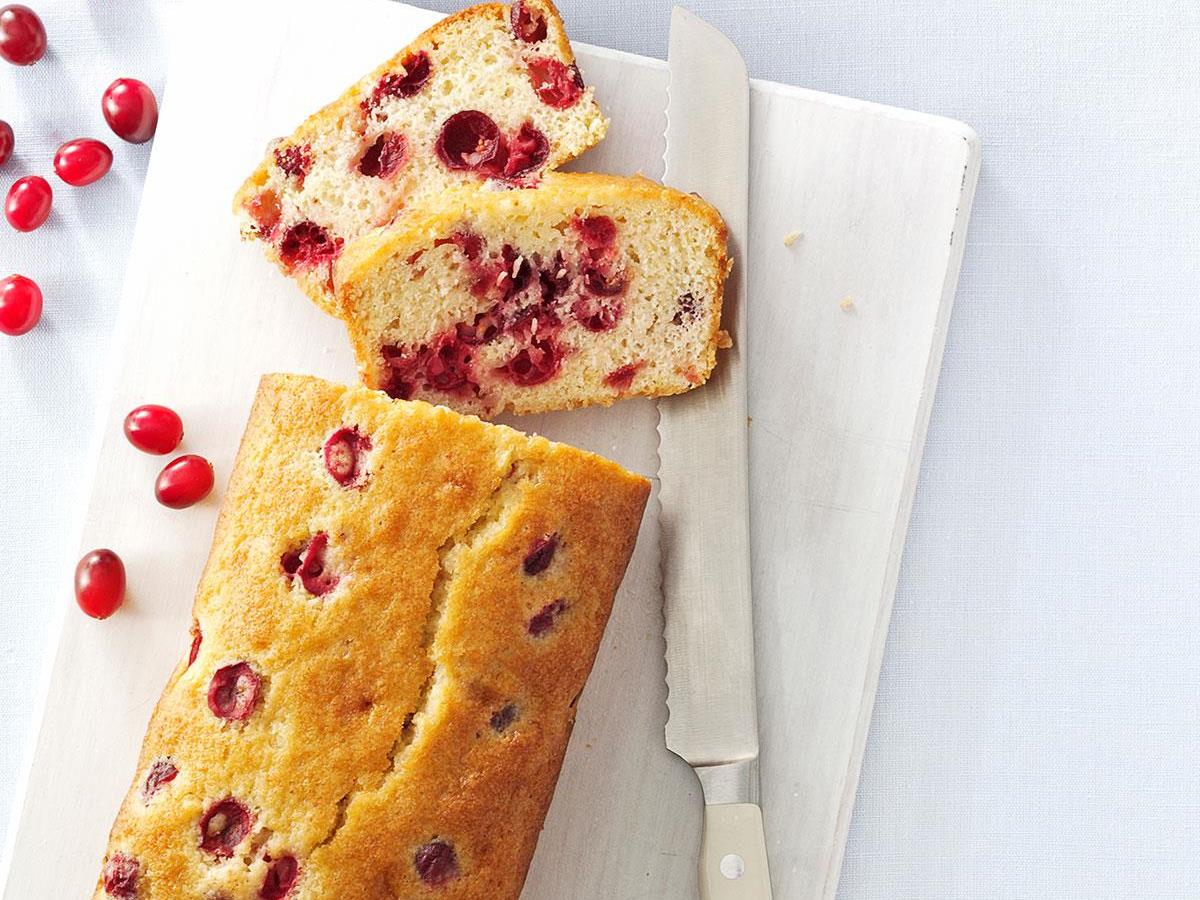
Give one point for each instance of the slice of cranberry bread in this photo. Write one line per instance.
(399, 611)
(491, 93)
(591, 288)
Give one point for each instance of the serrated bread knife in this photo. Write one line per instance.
(703, 439)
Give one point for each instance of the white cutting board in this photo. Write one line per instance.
(840, 398)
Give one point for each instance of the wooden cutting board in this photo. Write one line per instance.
(847, 328)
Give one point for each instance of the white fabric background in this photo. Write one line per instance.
(1038, 723)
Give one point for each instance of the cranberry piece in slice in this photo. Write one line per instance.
(529, 25)
(557, 85)
(82, 161)
(295, 161)
(448, 365)
(197, 639)
(281, 878)
(309, 563)
(686, 309)
(184, 482)
(469, 140)
(547, 617)
(161, 773)
(343, 455)
(29, 202)
(7, 140)
(503, 718)
(534, 364)
(20, 304)
(224, 826)
(154, 429)
(597, 232)
(528, 151)
(233, 693)
(417, 68)
(306, 244)
(436, 863)
(384, 158)
(596, 315)
(22, 35)
(130, 110)
(622, 378)
(484, 329)
(605, 285)
(121, 876)
(100, 583)
(541, 554)
(264, 209)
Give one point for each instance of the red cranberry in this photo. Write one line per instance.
(622, 378)
(503, 718)
(436, 863)
(534, 364)
(294, 161)
(469, 140)
(82, 161)
(343, 455)
(527, 152)
(233, 693)
(100, 583)
(197, 638)
(130, 110)
(29, 201)
(224, 826)
(393, 84)
(6, 141)
(529, 25)
(20, 304)
(468, 243)
(154, 429)
(484, 328)
(306, 244)
(22, 35)
(264, 209)
(281, 878)
(384, 158)
(556, 84)
(686, 309)
(547, 617)
(541, 554)
(121, 876)
(596, 315)
(597, 232)
(161, 773)
(309, 563)
(184, 481)
(605, 285)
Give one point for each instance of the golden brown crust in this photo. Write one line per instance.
(373, 734)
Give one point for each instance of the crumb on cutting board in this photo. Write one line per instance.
(791, 237)
(848, 305)
(724, 341)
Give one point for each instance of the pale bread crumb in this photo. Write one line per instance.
(848, 305)
(724, 341)
(791, 237)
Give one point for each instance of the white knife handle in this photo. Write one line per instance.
(733, 854)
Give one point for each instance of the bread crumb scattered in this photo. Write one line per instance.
(724, 341)
(791, 237)
(848, 305)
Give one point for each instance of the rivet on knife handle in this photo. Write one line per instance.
(733, 854)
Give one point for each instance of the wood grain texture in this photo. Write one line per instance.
(840, 396)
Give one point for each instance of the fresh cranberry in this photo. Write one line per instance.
(7, 140)
(622, 378)
(264, 209)
(448, 365)
(281, 878)
(557, 85)
(605, 285)
(121, 876)
(555, 279)
(527, 152)
(307, 244)
(503, 718)
(596, 315)
(384, 158)
(516, 272)
(82, 161)
(344, 455)
(161, 773)
(294, 161)
(130, 110)
(547, 617)
(22, 35)
(309, 563)
(436, 863)
(184, 481)
(197, 639)
(468, 243)
(484, 328)
(469, 140)
(541, 554)
(20, 304)
(529, 25)
(416, 74)
(233, 693)
(224, 826)
(597, 232)
(100, 583)
(154, 429)
(686, 309)
(29, 201)
(534, 364)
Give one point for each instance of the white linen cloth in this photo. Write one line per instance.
(1038, 722)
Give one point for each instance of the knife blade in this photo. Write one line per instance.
(703, 486)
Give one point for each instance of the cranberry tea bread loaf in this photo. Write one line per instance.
(398, 614)
(491, 93)
(590, 288)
